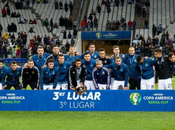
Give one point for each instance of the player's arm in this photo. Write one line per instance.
(126, 79)
(42, 79)
(84, 73)
(108, 80)
(56, 79)
(94, 79)
(22, 78)
(70, 79)
(3, 77)
(37, 79)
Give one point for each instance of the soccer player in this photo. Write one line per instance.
(63, 68)
(72, 55)
(55, 54)
(102, 57)
(77, 74)
(120, 72)
(101, 76)
(49, 76)
(94, 54)
(163, 70)
(133, 69)
(30, 76)
(147, 72)
(40, 58)
(2, 74)
(116, 51)
(13, 73)
(90, 64)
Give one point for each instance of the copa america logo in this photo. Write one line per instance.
(135, 98)
(98, 35)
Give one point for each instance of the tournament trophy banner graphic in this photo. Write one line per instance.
(101, 100)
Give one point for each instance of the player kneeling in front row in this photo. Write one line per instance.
(49, 76)
(30, 76)
(120, 72)
(101, 76)
(13, 73)
(77, 74)
(147, 72)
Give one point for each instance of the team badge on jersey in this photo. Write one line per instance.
(1, 72)
(17, 72)
(32, 72)
(121, 70)
(95, 56)
(135, 60)
(105, 61)
(146, 64)
(53, 72)
(46, 72)
(103, 72)
(91, 65)
(64, 67)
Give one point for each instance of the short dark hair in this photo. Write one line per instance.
(1, 61)
(50, 60)
(139, 58)
(158, 50)
(170, 54)
(118, 57)
(115, 47)
(41, 47)
(71, 46)
(61, 55)
(77, 60)
(30, 60)
(86, 53)
(91, 44)
(14, 62)
(55, 46)
(101, 49)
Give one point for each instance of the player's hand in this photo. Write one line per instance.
(35, 89)
(77, 54)
(123, 56)
(43, 66)
(107, 57)
(126, 88)
(67, 53)
(18, 66)
(72, 88)
(3, 87)
(25, 65)
(23, 88)
(53, 88)
(112, 56)
(156, 84)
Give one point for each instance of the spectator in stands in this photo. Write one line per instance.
(113, 26)
(169, 42)
(64, 34)
(134, 25)
(103, 2)
(67, 46)
(75, 33)
(46, 22)
(38, 1)
(69, 35)
(129, 24)
(51, 25)
(57, 42)
(146, 24)
(52, 41)
(88, 25)
(122, 2)
(144, 10)
(46, 40)
(167, 35)
(30, 21)
(70, 23)
(117, 3)
(4, 12)
(18, 53)
(108, 10)
(24, 52)
(174, 37)
(70, 7)
(31, 30)
(49, 40)
(24, 4)
(33, 2)
(108, 25)
(117, 24)
(83, 25)
(95, 22)
(98, 8)
(159, 29)
(129, 1)
(93, 12)
(139, 10)
(8, 11)
(154, 29)
(1, 28)
(6, 36)
(56, 4)
(1, 52)
(61, 5)
(72, 42)
(9, 51)
(9, 28)
(147, 4)
(21, 21)
(66, 6)
(34, 21)
(61, 20)
(18, 15)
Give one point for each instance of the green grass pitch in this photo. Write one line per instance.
(87, 120)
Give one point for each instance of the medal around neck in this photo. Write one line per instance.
(81, 89)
